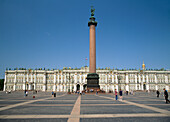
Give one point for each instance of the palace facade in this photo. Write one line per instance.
(69, 79)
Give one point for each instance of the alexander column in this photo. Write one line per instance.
(92, 77)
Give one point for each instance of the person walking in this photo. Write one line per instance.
(166, 95)
(26, 93)
(115, 94)
(52, 94)
(120, 94)
(157, 92)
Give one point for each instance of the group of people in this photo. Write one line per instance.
(165, 95)
(158, 93)
(120, 94)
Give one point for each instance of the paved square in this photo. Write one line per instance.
(89, 107)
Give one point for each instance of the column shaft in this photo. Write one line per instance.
(92, 68)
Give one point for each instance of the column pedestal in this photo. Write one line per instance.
(93, 81)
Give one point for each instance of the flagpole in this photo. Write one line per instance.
(86, 62)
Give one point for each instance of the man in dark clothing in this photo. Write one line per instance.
(166, 95)
(120, 94)
(157, 93)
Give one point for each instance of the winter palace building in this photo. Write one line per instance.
(75, 79)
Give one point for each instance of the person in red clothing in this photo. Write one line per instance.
(115, 94)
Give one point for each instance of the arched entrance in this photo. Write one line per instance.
(85, 86)
(144, 86)
(32, 87)
(78, 87)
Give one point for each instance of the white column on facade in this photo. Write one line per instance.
(139, 81)
(31, 77)
(30, 84)
(15, 81)
(65, 87)
(75, 76)
(58, 87)
(65, 78)
(75, 87)
(136, 82)
(116, 78)
(143, 79)
(106, 78)
(84, 78)
(28, 77)
(24, 81)
(71, 87)
(127, 82)
(44, 82)
(81, 88)
(61, 77)
(54, 86)
(29, 87)
(106, 88)
(108, 82)
(156, 82)
(5, 82)
(147, 82)
(35, 81)
(27, 81)
(113, 78)
(117, 88)
(58, 79)
(61, 87)
(166, 78)
(80, 78)
(112, 87)
(166, 82)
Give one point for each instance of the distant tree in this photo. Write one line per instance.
(162, 69)
(1, 84)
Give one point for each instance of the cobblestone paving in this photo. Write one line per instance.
(64, 107)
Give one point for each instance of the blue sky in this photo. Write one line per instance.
(55, 33)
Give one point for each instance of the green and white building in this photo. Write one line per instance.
(69, 79)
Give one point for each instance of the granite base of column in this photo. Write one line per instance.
(93, 81)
